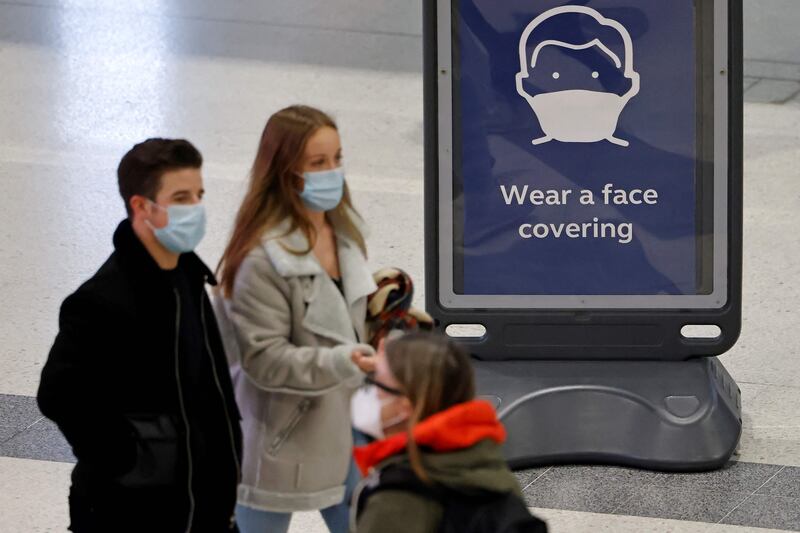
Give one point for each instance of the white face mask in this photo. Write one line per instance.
(365, 410)
(579, 116)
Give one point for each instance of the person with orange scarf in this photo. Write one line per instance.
(437, 465)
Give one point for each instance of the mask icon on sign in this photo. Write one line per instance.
(570, 75)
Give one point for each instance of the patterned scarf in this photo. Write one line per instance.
(389, 307)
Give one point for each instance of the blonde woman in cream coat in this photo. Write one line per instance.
(292, 305)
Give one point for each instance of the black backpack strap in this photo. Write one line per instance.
(484, 511)
(463, 510)
(396, 477)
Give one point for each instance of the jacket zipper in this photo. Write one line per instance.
(183, 409)
(219, 389)
(302, 409)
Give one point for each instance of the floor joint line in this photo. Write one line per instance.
(752, 494)
(549, 468)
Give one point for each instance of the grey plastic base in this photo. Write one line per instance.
(678, 416)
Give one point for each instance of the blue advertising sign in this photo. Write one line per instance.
(578, 149)
(583, 219)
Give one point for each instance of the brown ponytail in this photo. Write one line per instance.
(434, 374)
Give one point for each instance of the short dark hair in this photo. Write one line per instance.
(141, 169)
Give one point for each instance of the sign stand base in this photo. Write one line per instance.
(661, 415)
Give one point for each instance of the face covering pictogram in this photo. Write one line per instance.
(577, 90)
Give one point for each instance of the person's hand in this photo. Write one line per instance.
(363, 361)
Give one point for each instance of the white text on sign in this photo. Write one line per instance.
(595, 229)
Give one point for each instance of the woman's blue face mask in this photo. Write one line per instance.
(323, 190)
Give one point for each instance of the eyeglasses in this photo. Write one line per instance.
(369, 380)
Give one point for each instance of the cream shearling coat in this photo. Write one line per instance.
(289, 335)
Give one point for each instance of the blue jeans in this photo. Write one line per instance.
(336, 517)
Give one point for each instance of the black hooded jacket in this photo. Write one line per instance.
(138, 382)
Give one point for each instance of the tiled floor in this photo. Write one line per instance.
(25, 434)
(772, 90)
(714, 497)
(746, 494)
(82, 80)
(772, 62)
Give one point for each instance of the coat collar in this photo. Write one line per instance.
(357, 280)
(457, 428)
(327, 314)
(137, 260)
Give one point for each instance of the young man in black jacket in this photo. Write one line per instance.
(137, 378)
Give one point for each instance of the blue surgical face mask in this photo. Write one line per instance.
(185, 229)
(323, 190)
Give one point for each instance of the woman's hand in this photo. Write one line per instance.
(363, 361)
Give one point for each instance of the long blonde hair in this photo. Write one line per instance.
(272, 195)
(435, 374)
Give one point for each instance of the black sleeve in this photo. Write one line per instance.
(72, 389)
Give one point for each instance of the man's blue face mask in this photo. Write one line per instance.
(323, 190)
(185, 228)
